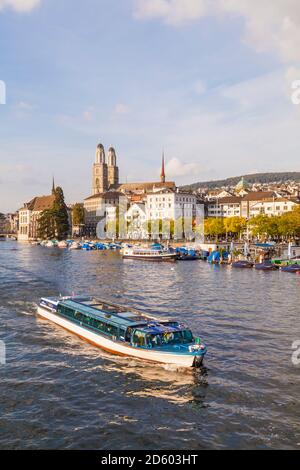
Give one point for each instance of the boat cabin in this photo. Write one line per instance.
(119, 323)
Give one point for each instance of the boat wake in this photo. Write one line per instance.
(24, 308)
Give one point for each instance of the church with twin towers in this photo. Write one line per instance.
(105, 172)
(106, 176)
(107, 190)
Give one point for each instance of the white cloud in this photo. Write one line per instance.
(23, 105)
(293, 85)
(274, 27)
(172, 11)
(176, 168)
(122, 108)
(20, 6)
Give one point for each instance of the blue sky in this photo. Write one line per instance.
(210, 85)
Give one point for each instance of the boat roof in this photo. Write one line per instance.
(106, 311)
(116, 314)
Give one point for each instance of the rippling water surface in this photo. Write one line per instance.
(59, 392)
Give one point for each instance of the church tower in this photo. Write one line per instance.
(113, 170)
(100, 172)
(163, 173)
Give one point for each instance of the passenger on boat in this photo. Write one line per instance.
(154, 341)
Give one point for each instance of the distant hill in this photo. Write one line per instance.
(251, 179)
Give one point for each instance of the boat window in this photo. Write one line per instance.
(173, 338)
(176, 337)
(122, 334)
(139, 339)
(92, 322)
(154, 340)
(128, 334)
(188, 336)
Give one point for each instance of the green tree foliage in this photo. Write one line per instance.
(78, 214)
(283, 227)
(46, 226)
(235, 225)
(60, 214)
(4, 224)
(214, 227)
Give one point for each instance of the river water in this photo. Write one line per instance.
(58, 392)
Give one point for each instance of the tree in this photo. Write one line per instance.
(4, 224)
(60, 214)
(78, 214)
(259, 226)
(214, 227)
(289, 224)
(46, 225)
(235, 225)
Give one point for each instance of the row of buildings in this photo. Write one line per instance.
(141, 203)
(242, 201)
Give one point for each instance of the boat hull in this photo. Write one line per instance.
(118, 348)
(242, 265)
(289, 269)
(263, 267)
(163, 258)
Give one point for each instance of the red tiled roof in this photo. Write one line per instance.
(43, 203)
(230, 200)
(39, 204)
(106, 196)
(145, 186)
(259, 195)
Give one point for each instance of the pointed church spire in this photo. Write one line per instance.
(53, 186)
(163, 174)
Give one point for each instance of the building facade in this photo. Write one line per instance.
(251, 204)
(225, 207)
(171, 205)
(29, 216)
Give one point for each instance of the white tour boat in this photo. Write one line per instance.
(125, 331)
(149, 254)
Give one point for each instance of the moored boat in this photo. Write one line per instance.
(265, 266)
(292, 268)
(75, 246)
(62, 244)
(125, 331)
(149, 254)
(51, 244)
(186, 254)
(244, 264)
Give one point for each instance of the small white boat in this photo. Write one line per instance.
(75, 246)
(125, 331)
(149, 254)
(62, 244)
